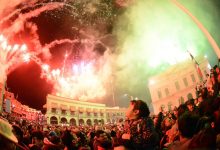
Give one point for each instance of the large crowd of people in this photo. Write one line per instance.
(193, 125)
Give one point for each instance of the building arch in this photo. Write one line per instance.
(81, 122)
(89, 122)
(96, 121)
(102, 121)
(63, 120)
(73, 122)
(53, 120)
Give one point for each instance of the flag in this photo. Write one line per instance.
(198, 70)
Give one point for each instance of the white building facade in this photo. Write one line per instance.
(177, 84)
(67, 111)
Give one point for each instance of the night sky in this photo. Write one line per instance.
(25, 81)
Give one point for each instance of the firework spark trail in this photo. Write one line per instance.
(15, 12)
(200, 25)
(86, 85)
(22, 18)
(46, 7)
(58, 42)
(10, 57)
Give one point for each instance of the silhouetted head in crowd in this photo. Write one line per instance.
(190, 104)
(37, 138)
(181, 109)
(67, 139)
(103, 140)
(18, 132)
(187, 124)
(137, 109)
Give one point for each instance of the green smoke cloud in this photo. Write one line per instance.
(157, 33)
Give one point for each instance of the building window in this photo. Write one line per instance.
(88, 113)
(63, 112)
(53, 110)
(185, 82)
(72, 112)
(159, 94)
(167, 91)
(193, 78)
(181, 100)
(95, 114)
(177, 85)
(108, 114)
(101, 114)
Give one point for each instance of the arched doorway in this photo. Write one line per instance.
(89, 122)
(73, 122)
(102, 121)
(96, 121)
(121, 120)
(53, 120)
(81, 122)
(63, 120)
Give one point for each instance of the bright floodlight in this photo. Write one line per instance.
(151, 82)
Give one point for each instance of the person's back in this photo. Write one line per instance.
(187, 128)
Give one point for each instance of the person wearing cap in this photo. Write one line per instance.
(8, 140)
